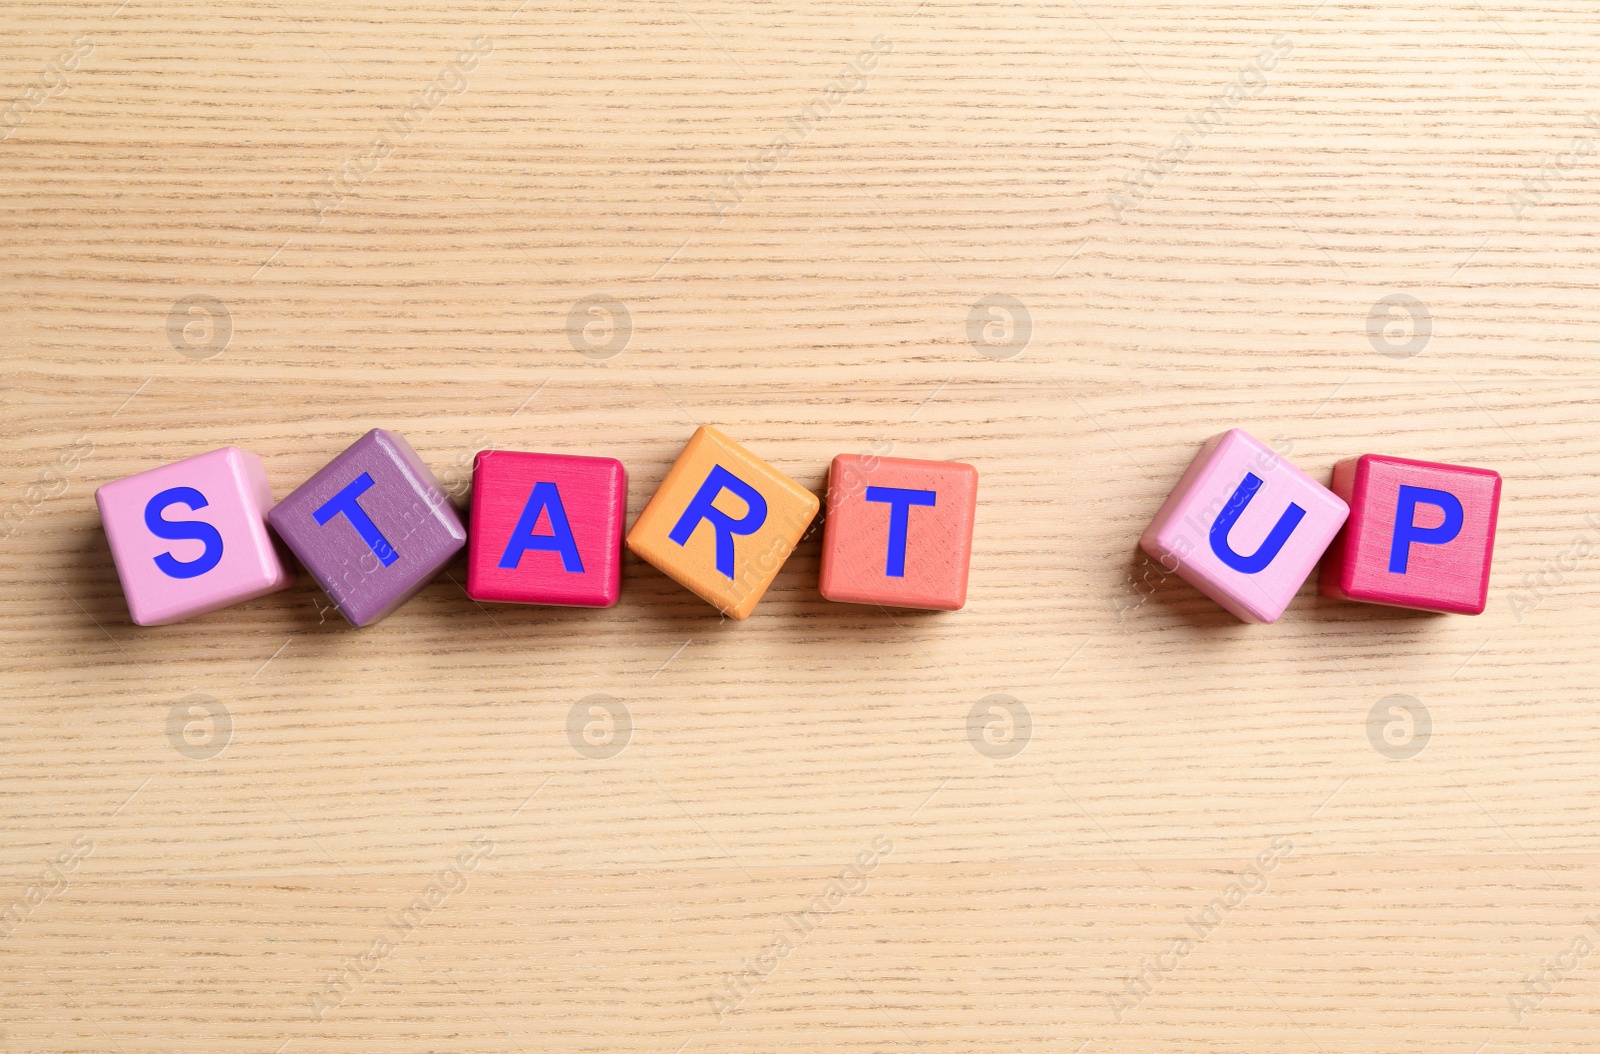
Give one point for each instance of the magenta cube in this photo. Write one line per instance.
(1420, 534)
(1244, 526)
(546, 529)
(191, 537)
(373, 526)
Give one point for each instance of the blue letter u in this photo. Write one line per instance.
(1270, 547)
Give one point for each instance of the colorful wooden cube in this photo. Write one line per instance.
(546, 529)
(1244, 526)
(372, 526)
(722, 523)
(898, 532)
(191, 537)
(1420, 534)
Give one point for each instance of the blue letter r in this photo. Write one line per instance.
(725, 526)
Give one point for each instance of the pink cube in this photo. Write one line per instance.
(546, 529)
(1244, 526)
(191, 537)
(1420, 534)
(898, 532)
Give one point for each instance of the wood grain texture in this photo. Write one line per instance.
(588, 228)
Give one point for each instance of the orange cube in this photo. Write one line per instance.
(722, 523)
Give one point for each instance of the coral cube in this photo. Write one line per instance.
(898, 532)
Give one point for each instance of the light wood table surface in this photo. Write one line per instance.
(253, 224)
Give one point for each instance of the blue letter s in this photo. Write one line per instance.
(173, 530)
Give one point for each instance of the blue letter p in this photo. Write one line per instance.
(1406, 530)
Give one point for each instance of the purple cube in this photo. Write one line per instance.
(372, 526)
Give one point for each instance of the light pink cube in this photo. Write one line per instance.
(191, 537)
(1244, 526)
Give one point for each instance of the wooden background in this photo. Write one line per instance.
(245, 803)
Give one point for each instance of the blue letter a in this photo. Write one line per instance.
(1269, 548)
(559, 540)
(725, 526)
